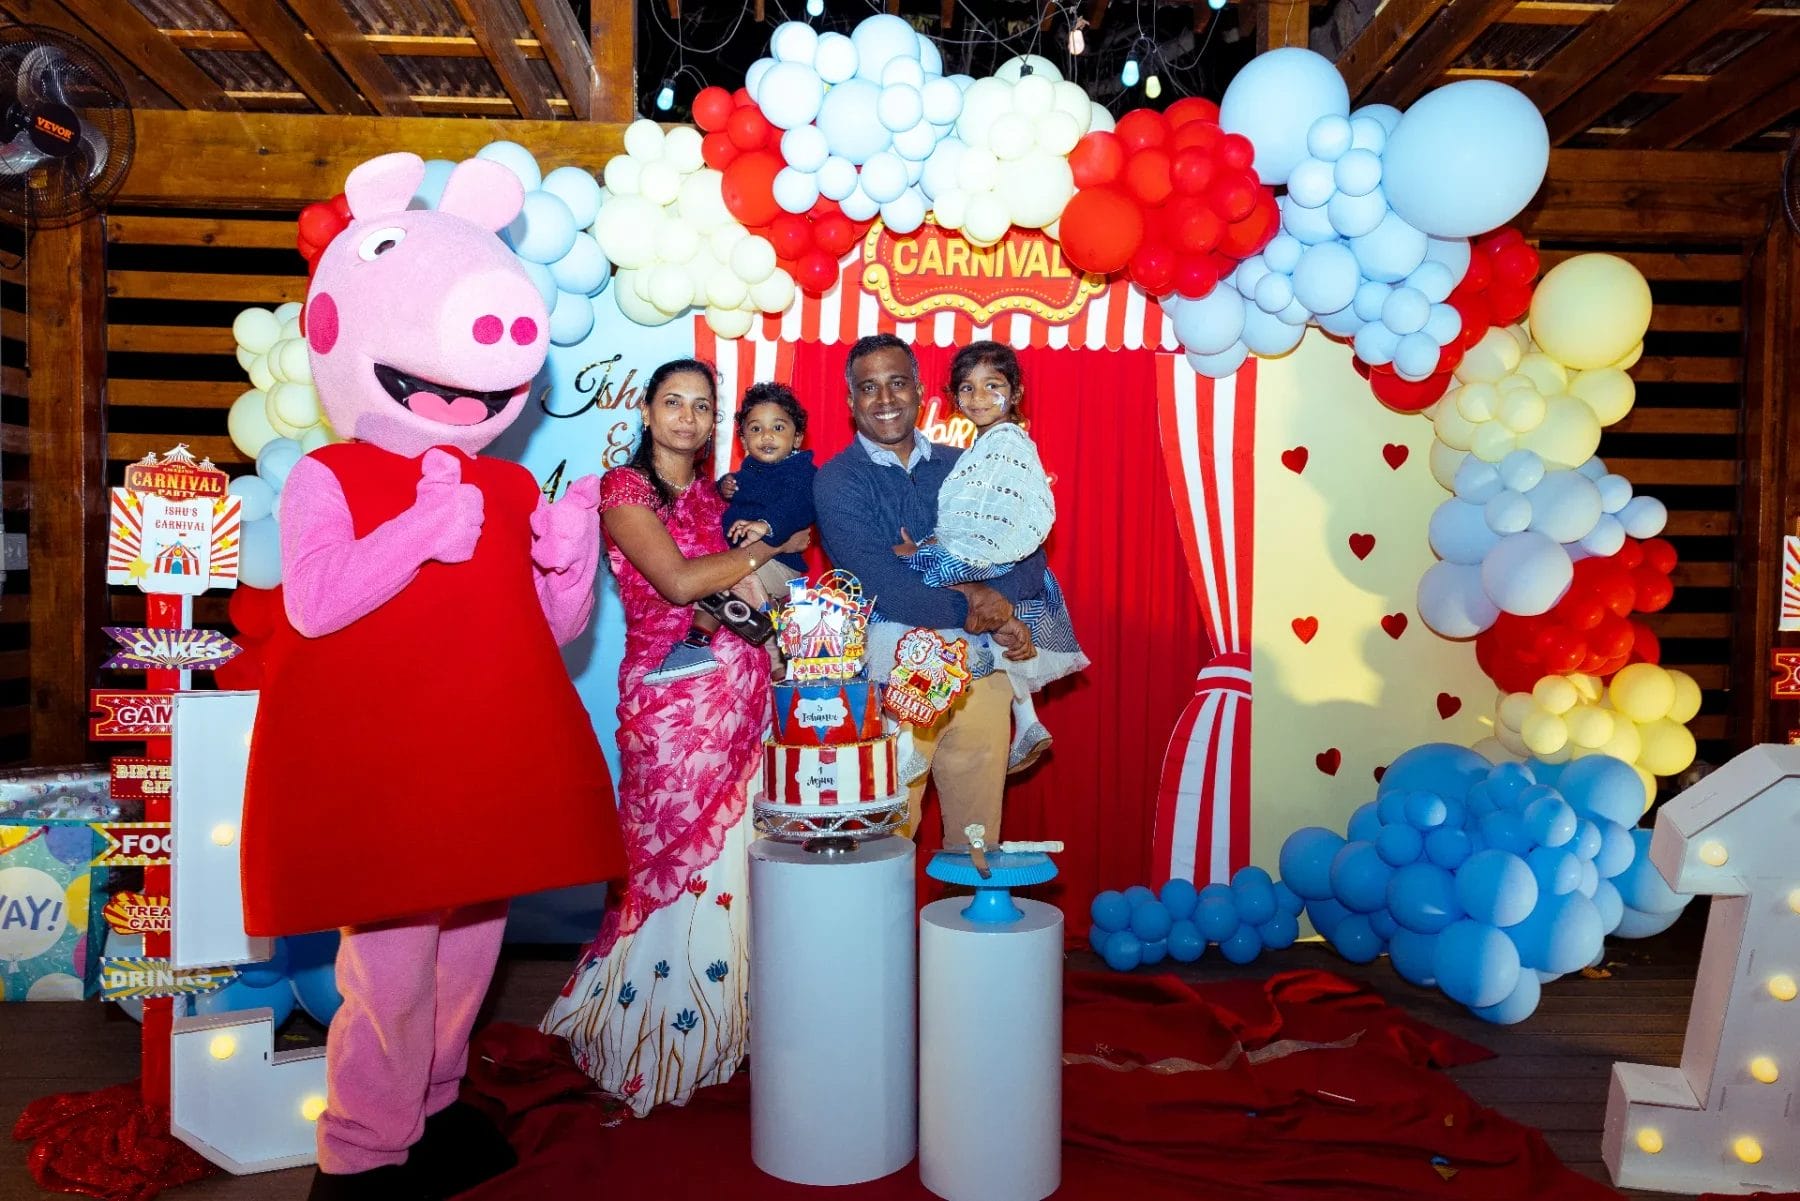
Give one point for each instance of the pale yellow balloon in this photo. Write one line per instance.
(1452, 428)
(1567, 437)
(1668, 748)
(1589, 311)
(256, 330)
(1477, 401)
(1625, 744)
(1555, 694)
(1649, 783)
(1493, 442)
(296, 405)
(1445, 461)
(1589, 726)
(1544, 733)
(1509, 738)
(1521, 409)
(261, 375)
(76, 897)
(1561, 754)
(282, 426)
(1544, 371)
(1490, 359)
(248, 422)
(1630, 358)
(1643, 692)
(728, 323)
(1687, 697)
(1515, 707)
(319, 435)
(1608, 391)
(1588, 687)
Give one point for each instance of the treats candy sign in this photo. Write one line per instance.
(932, 269)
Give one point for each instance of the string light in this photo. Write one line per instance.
(1215, 5)
(1153, 86)
(1129, 76)
(815, 8)
(665, 99)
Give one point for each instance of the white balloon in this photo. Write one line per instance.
(774, 294)
(835, 58)
(621, 174)
(791, 95)
(851, 120)
(805, 148)
(1274, 102)
(643, 140)
(676, 242)
(795, 191)
(701, 202)
(951, 208)
(288, 310)
(729, 323)
(793, 42)
(633, 305)
(980, 171)
(660, 183)
(1040, 187)
(988, 219)
(1057, 132)
(295, 406)
(293, 359)
(1101, 119)
(724, 290)
(983, 104)
(943, 169)
(753, 259)
(1034, 95)
(620, 229)
(670, 289)
(579, 190)
(256, 330)
(248, 422)
(681, 149)
(1012, 136)
(1013, 69)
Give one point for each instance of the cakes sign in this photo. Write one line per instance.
(933, 269)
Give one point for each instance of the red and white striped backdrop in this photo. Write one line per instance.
(1208, 436)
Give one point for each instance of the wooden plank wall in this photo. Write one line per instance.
(15, 499)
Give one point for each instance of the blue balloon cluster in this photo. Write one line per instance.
(1509, 538)
(1139, 926)
(302, 972)
(552, 236)
(1484, 881)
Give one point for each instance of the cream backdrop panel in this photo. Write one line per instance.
(1338, 696)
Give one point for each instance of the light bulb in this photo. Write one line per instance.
(1747, 1149)
(1077, 42)
(1649, 1141)
(1129, 76)
(815, 8)
(1153, 86)
(1794, 900)
(1713, 854)
(224, 834)
(223, 1046)
(312, 1107)
(1215, 5)
(1782, 987)
(1764, 1070)
(665, 99)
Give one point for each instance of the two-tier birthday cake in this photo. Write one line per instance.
(828, 768)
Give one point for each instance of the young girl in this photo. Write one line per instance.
(770, 498)
(995, 508)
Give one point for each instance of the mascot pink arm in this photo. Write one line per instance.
(331, 577)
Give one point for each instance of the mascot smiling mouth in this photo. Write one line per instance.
(443, 402)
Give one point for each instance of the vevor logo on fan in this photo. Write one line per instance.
(54, 129)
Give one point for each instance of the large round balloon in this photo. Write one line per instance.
(1274, 101)
(1465, 159)
(1589, 311)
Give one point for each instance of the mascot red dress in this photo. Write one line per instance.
(420, 754)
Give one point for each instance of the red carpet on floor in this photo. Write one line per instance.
(1305, 1085)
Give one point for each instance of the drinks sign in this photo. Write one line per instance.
(933, 269)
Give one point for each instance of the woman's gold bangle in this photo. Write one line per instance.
(752, 560)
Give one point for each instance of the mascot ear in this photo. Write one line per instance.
(384, 185)
(483, 192)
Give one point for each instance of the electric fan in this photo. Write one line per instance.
(65, 128)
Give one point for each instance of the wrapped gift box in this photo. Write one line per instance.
(78, 793)
(50, 925)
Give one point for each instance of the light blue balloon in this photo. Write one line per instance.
(1603, 788)
(1329, 138)
(1416, 357)
(1358, 172)
(266, 972)
(1426, 811)
(1178, 897)
(1275, 100)
(514, 158)
(256, 499)
(1325, 915)
(1216, 917)
(1522, 470)
(1366, 133)
(1399, 845)
(1390, 252)
(578, 189)
(851, 122)
(1519, 1004)
(1611, 906)
(1532, 793)
(1310, 226)
(1370, 298)
(542, 280)
(1279, 932)
(1305, 860)
(1504, 830)
(1184, 942)
(1644, 517)
(1268, 335)
(1325, 279)
(1153, 952)
(1590, 880)
(1138, 895)
(1422, 898)
(1434, 279)
(1635, 923)
(1587, 839)
(1376, 343)
(1311, 184)
(276, 994)
(1287, 900)
(1405, 310)
(1123, 951)
(1210, 325)
(1617, 850)
(312, 970)
(1151, 922)
(1097, 936)
(1557, 871)
(1359, 877)
(1452, 601)
(1506, 512)
(259, 553)
(1642, 886)
(1297, 314)
(1615, 490)
(1454, 253)
(571, 318)
(1110, 911)
(1496, 888)
(1218, 366)
(1441, 768)
(1565, 505)
(1466, 158)
(1365, 823)
(1476, 964)
(1274, 292)
(1342, 324)
(1254, 894)
(1477, 480)
(1526, 574)
(1356, 216)
(1355, 939)
(431, 188)
(1594, 468)
(1550, 821)
(543, 231)
(276, 459)
(1444, 323)
(1282, 253)
(1390, 806)
(1385, 115)
(584, 269)
(1244, 945)
(1384, 925)
(1506, 781)
(1561, 935)
(1413, 956)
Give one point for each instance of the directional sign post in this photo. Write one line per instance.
(169, 650)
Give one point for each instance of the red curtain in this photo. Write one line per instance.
(1117, 551)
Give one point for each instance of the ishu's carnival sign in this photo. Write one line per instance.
(930, 270)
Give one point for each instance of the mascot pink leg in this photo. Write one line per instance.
(420, 754)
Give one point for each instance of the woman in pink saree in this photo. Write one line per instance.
(657, 1004)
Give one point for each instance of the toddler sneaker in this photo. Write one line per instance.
(1028, 747)
(684, 661)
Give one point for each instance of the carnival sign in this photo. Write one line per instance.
(931, 269)
(173, 527)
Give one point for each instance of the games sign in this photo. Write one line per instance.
(933, 269)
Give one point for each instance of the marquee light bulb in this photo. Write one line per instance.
(1764, 1070)
(1794, 900)
(312, 1107)
(224, 834)
(1747, 1149)
(665, 99)
(1782, 987)
(1713, 854)
(1215, 5)
(1077, 42)
(223, 1046)
(1153, 86)
(815, 8)
(1129, 76)
(1649, 1141)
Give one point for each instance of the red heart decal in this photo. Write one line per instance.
(1361, 545)
(1305, 628)
(1294, 460)
(1395, 454)
(1448, 705)
(1380, 771)
(1328, 761)
(1394, 624)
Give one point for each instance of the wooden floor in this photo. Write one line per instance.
(1551, 1071)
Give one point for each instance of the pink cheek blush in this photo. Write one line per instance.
(488, 329)
(524, 331)
(322, 322)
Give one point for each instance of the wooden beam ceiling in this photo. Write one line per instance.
(139, 88)
(612, 34)
(1423, 61)
(131, 34)
(330, 23)
(1654, 196)
(1766, 67)
(491, 21)
(566, 46)
(1395, 25)
(1752, 119)
(1672, 41)
(277, 34)
(1599, 44)
(1283, 23)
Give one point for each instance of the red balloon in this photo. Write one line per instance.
(1516, 263)
(1147, 175)
(318, 224)
(1101, 228)
(1480, 275)
(1658, 554)
(1192, 170)
(1142, 129)
(340, 204)
(717, 150)
(712, 108)
(1236, 152)
(1195, 276)
(1198, 230)
(1153, 268)
(749, 187)
(1097, 158)
(1198, 135)
(1405, 396)
(834, 234)
(791, 236)
(1509, 301)
(1244, 238)
(1190, 109)
(748, 129)
(816, 273)
(741, 98)
(1232, 195)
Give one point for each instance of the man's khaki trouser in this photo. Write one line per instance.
(967, 755)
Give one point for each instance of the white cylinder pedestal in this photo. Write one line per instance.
(833, 1012)
(990, 1053)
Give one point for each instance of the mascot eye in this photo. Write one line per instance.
(379, 243)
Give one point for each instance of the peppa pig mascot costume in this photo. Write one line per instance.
(420, 754)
